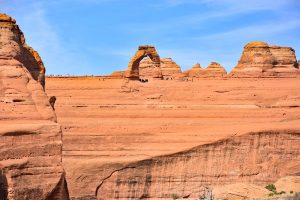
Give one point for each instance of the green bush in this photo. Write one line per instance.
(271, 187)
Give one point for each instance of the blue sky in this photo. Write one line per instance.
(85, 37)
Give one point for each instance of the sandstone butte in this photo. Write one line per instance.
(189, 135)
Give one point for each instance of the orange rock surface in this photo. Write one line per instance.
(200, 134)
(129, 140)
(260, 60)
(142, 52)
(30, 139)
(169, 68)
(214, 69)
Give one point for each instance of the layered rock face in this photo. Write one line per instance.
(30, 138)
(133, 66)
(166, 138)
(13, 46)
(195, 71)
(214, 69)
(260, 59)
(169, 68)
(185, 173)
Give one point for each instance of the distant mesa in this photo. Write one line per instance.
(260, 59)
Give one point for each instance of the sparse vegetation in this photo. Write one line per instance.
(175, 196)
(272, 188)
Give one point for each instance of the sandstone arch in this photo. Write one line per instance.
(143, 51)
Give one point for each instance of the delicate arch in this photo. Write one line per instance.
(143, 51)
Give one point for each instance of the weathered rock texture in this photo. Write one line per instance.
(260, 59)
(13, 46)
(133, 66)
(243, 159)
(214, 69)
(30, 138)
(195, 71)
(125, 139)
(169, 68)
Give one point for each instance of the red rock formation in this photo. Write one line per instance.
(214, 69)
(13, 46)
(195, 71)
(119, 74)
(177, 134)
(30, 138)
(169, 68)
(184, 173)
(133, 66)
(259, 59)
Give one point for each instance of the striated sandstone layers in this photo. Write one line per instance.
(13, 46)
(169, 68)
(133, 66)
(260, 59)
(248, 158)
(214, 69)
(30, 138)
(162, 138)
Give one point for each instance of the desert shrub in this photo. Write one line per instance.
(271, 187)
(175, 196)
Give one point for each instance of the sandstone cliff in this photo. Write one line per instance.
(171, 137)
(30, 139)
(260, 59)
(243, 159)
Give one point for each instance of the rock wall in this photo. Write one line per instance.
(111, 125)
(249, 158)
(260, 59)
(30, 138)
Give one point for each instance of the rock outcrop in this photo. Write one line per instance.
(184, 173)
(13, 46)
(118, 74)
(30, 138)
(195, 71)
(133, 66)
(177, 134)
(169, 68)
(260, 59)
(214, 69)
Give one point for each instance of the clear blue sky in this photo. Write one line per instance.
(84, 37)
